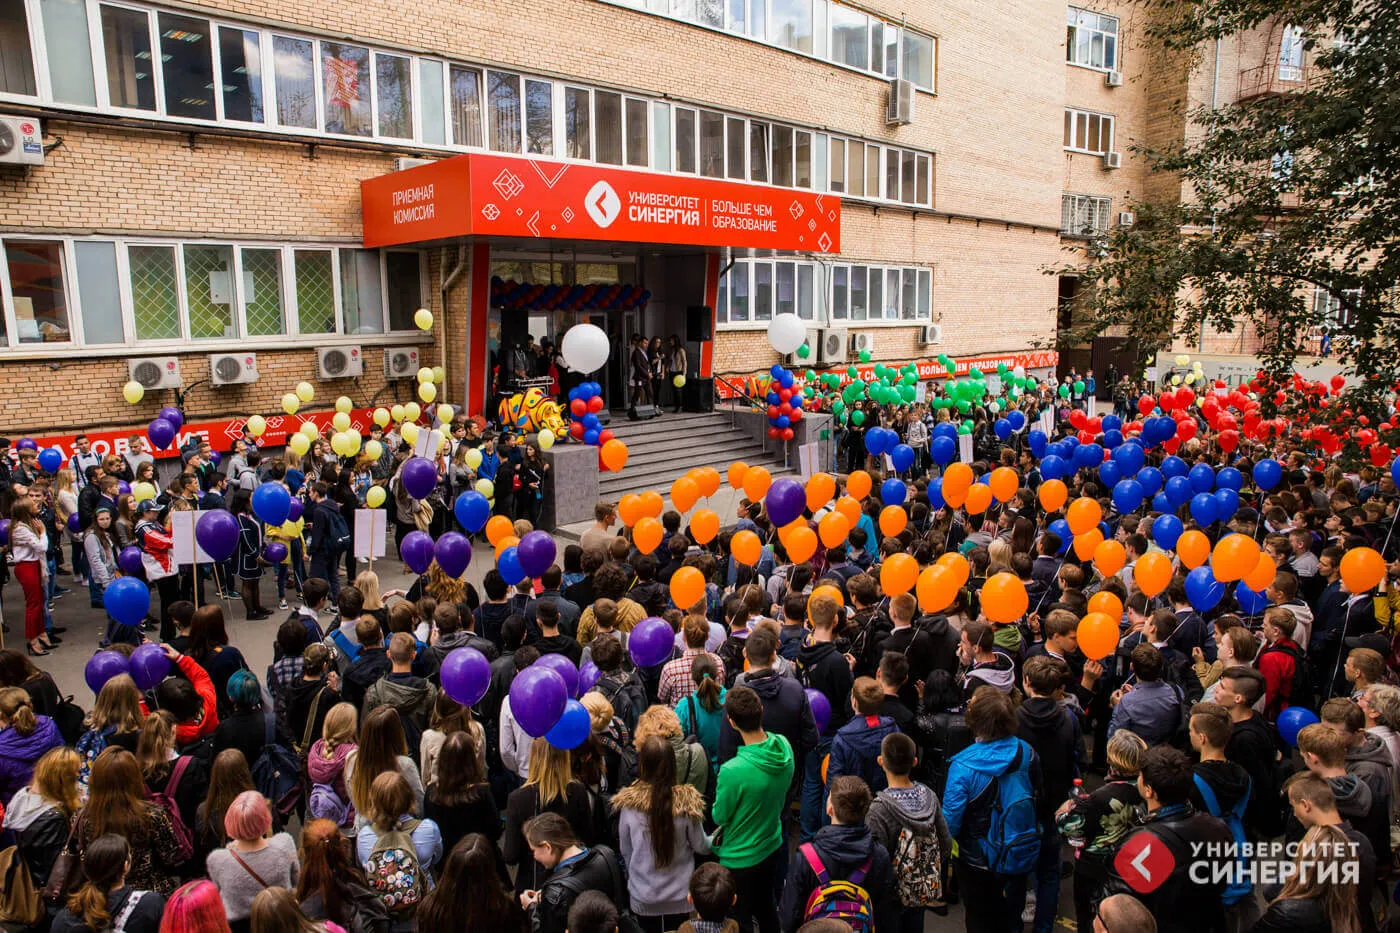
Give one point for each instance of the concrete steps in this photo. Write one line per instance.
(664, 448)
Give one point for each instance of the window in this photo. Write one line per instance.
(736, 141)
(607, 114)
(346, 83)
(393, 95)
(466, 105)
(850, 43)
(785, 288)
(923, 191)
(792, 24)
(860, 309)
(891, 51)
(805, 291)
(262, 293)
(1082, 215)
(209, 292)
(38, 290)
(296, 82)
(315, 291)
(1092, 40)
(578, 142)
(403, 282)
(803, 152)
(872, 171)
(433, 107)
(758, 150)
(1329, 310)
(739, 292)
(240, 57)
(891, 295)
(906, 177)
(661, 136)
(877, 46)
(539, 117)
(763, 291)
(710, 13)
(187, 65)
(99, 292)
(16, 58)
(840, 292)
(711, 144)
(925, 294)
(1290, 57)
(892, 174)
(782, 156)
(918, 59)
(638, 132)
(1088, 132)
(877, 292)
(908, 300)
(855, 175)
(722, 300)
(685, 140)
(126, 40)
(67, 42)
(155, 292)
(503, 111)
(361, 302)
(838, 165)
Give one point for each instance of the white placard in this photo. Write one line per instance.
(920, 393)
(804, 460)
(1150, 374)
(428, 444)
(186, 546)
(1047, 422)
(371, 526)
(965, 448)
(889, 465)
(994, 385)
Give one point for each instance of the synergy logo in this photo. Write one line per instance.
(602, 204)
(1144, 863)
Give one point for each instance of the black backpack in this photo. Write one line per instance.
(1301, 692)
(337, 532)
(627, 696)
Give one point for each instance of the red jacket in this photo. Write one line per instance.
(187, 732)
(1277, 665)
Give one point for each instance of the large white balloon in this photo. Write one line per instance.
(786, 333)
(585, 348)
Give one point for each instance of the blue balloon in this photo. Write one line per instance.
(1130, 457)
(1112, 423)
(50, 459)
(1202, 478)
(1127, 496)
(774, 398)
(785, 379)
(1229, 478)
(777, 370)
(1110, 473)
(573, 728)
(1113, 439)
(795, 401)
(574, 392)
(1178, 490)
(946, 429)
(893, 491)
(1151, 480)
(1251, 602)
(1203, 590)
(1087, 455)
(1160, 503)
(1166, 529)
(509, 566)
(943, 450)
(271, 503)
(1174, 466)
(1061, 528)
(1203, 508)
(782, 421)
(591, 437)
(1268, 473)
(1069, 444)
(875, 441)
(984, 480)
(1037, 442)
(127, 600)
(1227, 502)
(903, 458)
(1002, 428)
(591, 422)
(1292, 721)
(1053, 467)
(472, 510)
(1017, 419)
(935, 494)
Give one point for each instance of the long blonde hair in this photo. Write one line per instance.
(443, 588)
(551, 770)
(339, 728)
(155, 744)
(118, 704)
(1322, 856)
(65, 480)
(368, 584)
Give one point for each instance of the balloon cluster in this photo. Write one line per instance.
(162, 431)
(784, 399)
(585, 403)
(518, 296)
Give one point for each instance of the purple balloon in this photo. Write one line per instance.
(149, 665)
(453, 552)
(160, 433)
(123, 487)
(562, 666)
(466, 675)
(75, 523)
(419, 477)
(821, 708)
(215, 457)
(785, 500)
(588, 676)
(274, 552)
(26, 443)
(651, 642)
(296, 510)
(129, 560)
(102, 667)
(174, 415)
(417, 551)
(217, 532)
(537, 699)
(536, 553)
(4, 531)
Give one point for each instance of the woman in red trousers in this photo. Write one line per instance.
(29, 544)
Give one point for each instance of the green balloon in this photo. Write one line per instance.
(838, 406)
(906, 393)
(804, 351)
(964, 405)
(865, 356)
(811, 375)
(1079, 386)
(951, 366)
(1064, 391)
(852, 372)
(808, 391)
(975, 373)
(964, 428)
(1001, 369)
(858, 417)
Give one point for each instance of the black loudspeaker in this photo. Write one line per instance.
(643, 413)
(699, 322)
(698, 394)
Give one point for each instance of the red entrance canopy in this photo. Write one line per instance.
(482, 194)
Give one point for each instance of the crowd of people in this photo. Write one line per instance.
(816, 753)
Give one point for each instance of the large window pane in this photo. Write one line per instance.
(607, 120)
(126, 38)
(758, 16)
(891, 51)
(925, 294)
(539, 117)
(721, 302)
(433, 103)
(661, 137)
(710, 13)
(69, 51)
(803, 174)
(872, 171)
(209, 290)
(685, 140)
(578, 142)
(877, 46)
(922, 191)
(240, 60)
(637, 132)
(877, 293)
(315, 291)
(859, 300)
(739, 292)
(361, 299)
(262, 292)
(404, 284)
(763, 291)
(855, 175)
(892, 174)
(819, 151)
(840, 292)
(187, 61)
(850, 44)
(503, 111)
(792, 24)
(393, 95)
(40, 294)
(296, 82)
(918, 59)
(99, 294)
(908, 301)
(906, 176)
(736, 141)
(155, 293)
(345, 80)
(838, 165)
(782, 156)
(16, 57)
(785, 288)
(805, 292)
(758, 150)
(711, 144)
(466, 105)
(891, 294)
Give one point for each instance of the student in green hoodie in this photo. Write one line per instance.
(749, 798)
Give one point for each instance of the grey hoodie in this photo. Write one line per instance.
(1371, 762)
(916, 809)
(412, 696)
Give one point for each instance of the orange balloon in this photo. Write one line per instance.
(898, 574)
(756, 483)
(850, 508)
(833, 528)
(1053, 494)
(651, 503)
(1098, 635)
(1086, 544)
(1362, 569)
(687, 587)
(826, 589)
(790, 527)
(936, 589)
(1234, 556)
(704, 525)
(1262, 576)
(1004, 598)
(1193, 547)
(957, 480)
(498, 527)
(708, 480)
(1004, 482)
(1084, 513)
(1152, 572)
(746, 547)
(684, 492)
(1107, 603)
(893, 520)
(858, 484)
(801, 544)
(629, 509)
(820, 490)
(614, 454)
(507, 541)
(647, 534)
(957, 564)
(737, 471)
(979, 499)
(1109, 558)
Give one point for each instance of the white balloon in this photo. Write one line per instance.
(786, 333)
(585, 348)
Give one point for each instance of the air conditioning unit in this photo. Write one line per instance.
(339, 362)
(403, 162)
(400, 363)
(862, 341)
(813, 339)
(930, 333)
(155, 372)
(899, 108)
(21, 141)
(1113, 160)
(1113, 79)
(233, 368)
(832, 348)
(1126, 218)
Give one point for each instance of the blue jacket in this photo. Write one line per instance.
(856, 748)
(969, 774)
(1153, 710)
(490, 463)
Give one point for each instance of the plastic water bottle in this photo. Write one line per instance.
(1079, 796)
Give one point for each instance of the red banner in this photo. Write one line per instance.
(484, 194)
(928, 369)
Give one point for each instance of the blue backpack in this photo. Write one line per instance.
(1240, 888)
(1012, 839)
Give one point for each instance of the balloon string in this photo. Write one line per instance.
(1390, 532)
(1341, 644)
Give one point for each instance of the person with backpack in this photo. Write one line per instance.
(1282, 664)
(329, 793)
(38, 816)
(692, 764)
(411, 696)
(331, 885)
(330, 537)
(1253, 744)
(107, 901)
(382, 749)
(397, 850)
(24, 738)
(312, 696)
(252, 861)
(245, 728)
(907, 819)
(700, 713)
(181, 780)
(115, 719)
(371, 662)
(118, 804)
(856, 747)
(676, 683)
(621, 688)
(572, 870)
(821, 666)
(1222, 789)
(991, 810)
(844, 873)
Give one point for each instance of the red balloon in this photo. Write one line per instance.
(1077, 418)
(1229, 440)
(1338, 381)
(796, 415)
(1185, 429)
(784, 394)
(579, 407)
(772, 411)
(595, 404)
(576, 430)
(774, 433)
(788, 434)
(1171, 445)
(604, 436)
(1085, 437)
(1146, 404)
(1094, 425)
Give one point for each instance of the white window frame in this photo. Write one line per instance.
(1100, 205)
(1075, 12)
(1291, 54)
(1075, 114)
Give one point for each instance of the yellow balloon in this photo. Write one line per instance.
(486, 488)
(133, 392)
(1176, 380)
(310, 431)
(473, 459)
(1182, 359)
(1190, 378)
(445, 413)
(257, 424)
(344, 404)
(396, 413)
(299, 444)
(411, 412)
(423, 318)
(375, 497)
(425, 374)
(340, 421)
(374, 450)
(410, 432)
(382, 417)
(305, 391)
(352, 442)
(427, 391)
(678, 382)
(546, 439)
(142, 491)
(290, 403)
(439, 374)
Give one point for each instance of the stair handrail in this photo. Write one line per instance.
(738, 391)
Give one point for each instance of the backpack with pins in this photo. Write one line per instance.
(394, 872)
